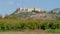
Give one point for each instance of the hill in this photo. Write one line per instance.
(34, 14)
(55, 11)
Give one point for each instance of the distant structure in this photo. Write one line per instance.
(19, 10)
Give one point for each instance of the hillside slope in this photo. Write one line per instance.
(37, 15)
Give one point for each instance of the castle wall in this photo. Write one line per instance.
(28, 10)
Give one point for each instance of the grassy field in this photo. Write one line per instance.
(32, 26)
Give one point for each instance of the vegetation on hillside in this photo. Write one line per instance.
(35, 11)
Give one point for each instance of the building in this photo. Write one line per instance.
(19, 10)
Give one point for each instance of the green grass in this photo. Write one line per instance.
(18, 25)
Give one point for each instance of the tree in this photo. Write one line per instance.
(44, 11)
(59, 12)
(51, 12)
(35, 11)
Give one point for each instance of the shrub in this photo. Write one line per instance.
(3, 26)
(32, 25)
(54, 25)
(10, 27)
(35, 11)
(19, 26)
(44, 26)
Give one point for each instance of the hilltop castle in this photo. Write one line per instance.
(19, 10)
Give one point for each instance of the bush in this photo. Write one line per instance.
(54, 25)
(44, 26)
(32, 25)
(19, 26)
(3, 26)
(35, 11)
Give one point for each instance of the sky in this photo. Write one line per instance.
(9, 6)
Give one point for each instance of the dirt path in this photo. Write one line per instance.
(12, 32)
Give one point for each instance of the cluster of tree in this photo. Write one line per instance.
(38, 11)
